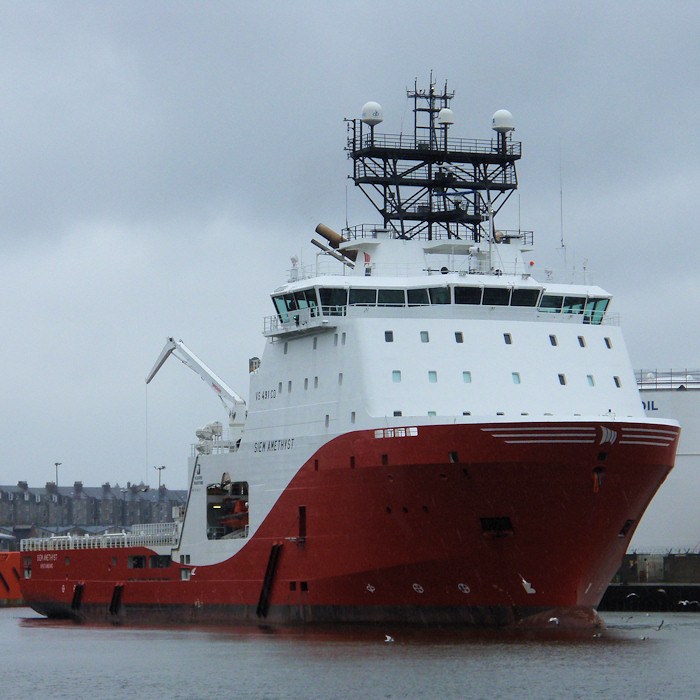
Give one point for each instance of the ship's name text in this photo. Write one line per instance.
(273, 445)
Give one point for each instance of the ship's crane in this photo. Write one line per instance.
(233, 403)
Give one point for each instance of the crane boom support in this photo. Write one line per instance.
(231, 400)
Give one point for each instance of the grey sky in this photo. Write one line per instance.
(161, 161)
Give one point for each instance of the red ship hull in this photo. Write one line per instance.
(465, 524)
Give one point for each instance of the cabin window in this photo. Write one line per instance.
(328, 420)
(432, 376)
(507, 339)
(289, 386)
(439, 295)
(279, 388)
(306, 383)
(459, 338)
(340, 379)
(608, 343)
(562, 379)
(391, 297)
(617, 381)
(553, 340)
(591, 381)
(551, 303)
(424, 337)
(582, 341)
(418, 297)
(524, 297)
(353, 417)
(574, 305)
(333, 300)
(315, 382)
(467, 377)
(432, 413)
(286, 348)
(315, 343)
(360, 296)
(396, 376)
(227, 509)
(467, 295)
(397, 413)
(159, 561)
(342, 338)
(335, 339)
(136, 561)
(389, 336)
(496, 296)
(595, 310)
(516, 377)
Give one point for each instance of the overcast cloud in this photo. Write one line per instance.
(161, 161)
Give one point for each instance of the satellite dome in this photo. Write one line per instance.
(445, 116)
(372, 113)
(503, 121)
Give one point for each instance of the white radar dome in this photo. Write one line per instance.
(372, 113)
(503, 121)
(445, 116)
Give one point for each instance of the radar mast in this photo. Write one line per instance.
(429, 184)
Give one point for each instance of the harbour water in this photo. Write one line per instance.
(637, 656)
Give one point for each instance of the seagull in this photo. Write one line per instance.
(632, 595)
(388, 638)
(555, 620)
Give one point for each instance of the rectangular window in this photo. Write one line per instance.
(595, 310)
(439, 295)
(335, 339)
(388, 336)
(553, 340)
(391, 297)
(591, 381)
(360, 296)
(562, 379)
(618, 383)
(340, 379)
(328, 420)
(396, 376)
(507, 339)
(467, 377)
(342, 339)
(315, 382)
(302, 522)
(397, 413)
(418, 297)
(516, 377)
(496, 296)
(333, 301)
(306, 383)
(524, 297)
(289, 386)
(582, 341)
(432, 376)
(352, 417)
(551, 303)
(608, 343)
(424, 337)
(574, 305)
(315, 343)
(279, 388)
(459, 338)
(467, 295)
(286, 347)
(432, 413)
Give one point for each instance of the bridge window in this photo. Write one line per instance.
(418, 297)
(359, 296)
(333, 300)
(440, 295)
(468, 295)
(574, 305)
(551, 303)
(524, 297)
(391, 297)
(595, 310)
(496, 296)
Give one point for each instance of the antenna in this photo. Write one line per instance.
(561, 201)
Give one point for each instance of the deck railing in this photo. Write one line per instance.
(142, 535)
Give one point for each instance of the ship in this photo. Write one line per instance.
(432, 436)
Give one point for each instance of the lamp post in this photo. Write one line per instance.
(159, 470)
(57, 465)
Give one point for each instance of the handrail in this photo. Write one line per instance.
(668, 379)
